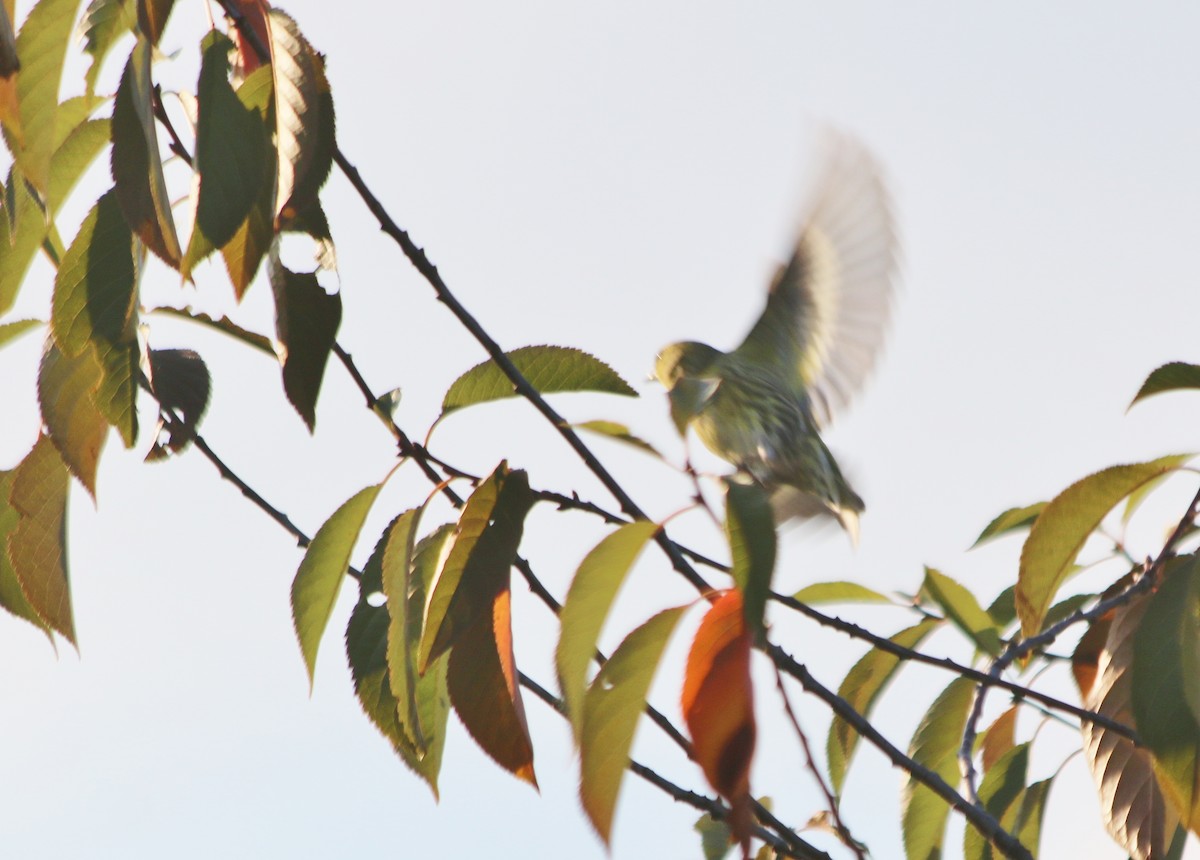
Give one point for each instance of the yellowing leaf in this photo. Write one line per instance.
(611, 708)
(22, 230)
(67, 388)
(37, 544)
(76, 154)
(12, 596)
(41, 47)
(589, 599)
(750, 530)
(999, 738)
(1064, 526)
(319, 578)
(483, 688)
(718, 707)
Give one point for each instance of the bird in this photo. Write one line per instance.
(763, 405)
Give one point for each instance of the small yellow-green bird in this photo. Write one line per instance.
(762, 406)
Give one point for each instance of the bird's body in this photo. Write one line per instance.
(762, 406)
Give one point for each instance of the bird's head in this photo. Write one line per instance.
(687, 371)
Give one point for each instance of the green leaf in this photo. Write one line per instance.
(152, 17)
(589, 599)
(94, 290)
(715, 837)
(1064, 526)
(1003, 610)
(12, 596)
(963, 610)
(244, 252)
(1032, 811)
(935, 745)
(72, 113)
(403, 640)
(42, 46)
(306, 322)
(366, 647)
(22, 230)
(224, 325)
(116, 397)
(549, 369)
(136, 160)
(180, 382)
(66, 394)
(839, 591)
(477, 567)
(37, 545)
(230, 155)
(750, 530)
(85, 142)
(861, 688)
(1000, 791)
(611, 709)
(13, 330)
(104, 22)
(1166, 690)
(1014, 519)
(319, 578)
(1170, 377)
(619, 432)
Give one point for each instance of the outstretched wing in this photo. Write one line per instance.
(828, 308)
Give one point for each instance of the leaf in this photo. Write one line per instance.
(402, 639)
(73, 112)
(136, 160)
(1135, 812)
(1165, 692)
(861, 687)
(935, 745)
(1030, 813)
(1014, 519)
(718, 707)
(42, 47)
(1003, 610)
(224, 325)
(66, 395)
(12, 596)
(839, 591)
(303, 117)
(589, 599)
(21, 234)
(999, 738)
(13, 330)
(619, 432)
(714, 837)
(483, 688)
(963, 610)
(1000, 791)
(116, 398)
(366, 646)
(549, 369)
(152, 17)
(319, 578)
(1170, 377)
(306, 322)
(104, 22)
(10, 64)
(75, 156)
(477, 566)
(750, 530)
(230, 155)
(181, 384)
(37, 546)
(94, 292)
(1064, 526)
(244, 252)
(614, 702)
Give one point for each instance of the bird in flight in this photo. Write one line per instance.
(762, 406)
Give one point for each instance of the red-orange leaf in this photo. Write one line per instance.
(718, 707)
(483, 689)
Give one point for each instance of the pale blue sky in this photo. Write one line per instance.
(617, 177)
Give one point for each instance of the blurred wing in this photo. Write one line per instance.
(828, 308)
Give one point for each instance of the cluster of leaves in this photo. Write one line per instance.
(432, 629)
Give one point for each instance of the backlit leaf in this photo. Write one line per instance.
(12, 596)
(82, 146)
(861, 687)
(839, 592)
(477, 566)
(103, 23)
(22, 230)
(589, 599)
(619, 432)
(483, 688)
(999, 738)
(1170, 377)
(750, 530)
(67, 388)
(935, 745)
(963, 610)
(1000, 792)
(1012, 520)
(319, 578)
(225, 325)
(306, 322)
(611, 708)
(718, 707)
(1064, 526)
(13, 330)
(37, 544)
(136, 160)
(244, 252)
(549, 369)
(41, 45)
(402, 639)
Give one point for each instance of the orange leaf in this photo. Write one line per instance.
(483, 688)
(718, 707)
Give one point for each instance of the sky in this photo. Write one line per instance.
(615, 178)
